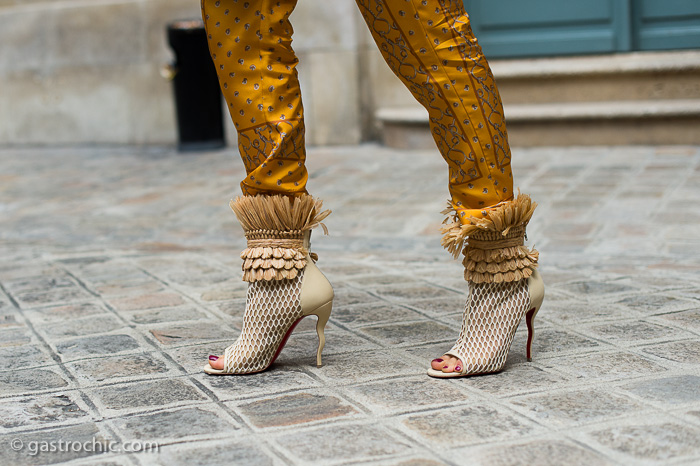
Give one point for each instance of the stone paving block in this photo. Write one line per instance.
(347, 297)
(187, 333)
(662, 282)
(348, 270)
(414, 333)
(544, 452)
(24, 356)
(106, 271)
(95, 346)
(372, 313)
(454, 320)
(224, 292)
(548, 341)
(644, 442)
(684, 352)
(575, 312)
(25, 269)
(474, 423)
(634, 332)
(168, 314)
(362, 282)
(516, 379)
(55, 314)
(39, 283)
(62, 294)
(177, 424)
(147, 301)
(10, 337)
(408, 394)
(213, 454)
(234, 308)
(368, 442)
(604, 366)
(348, 368)
(32, 442)
(32, 380)
(594, 289)
(193, 272)
(573, 407)
(687, 319)
(42, 411)
(101, 323)
(128, 287)
(140, 395)
(118, 368)
(440, 306)
(294, 409)
(656, 303)
(9, 317)
(667, 390)
(412, 292)
(281, 378)
(418, 460)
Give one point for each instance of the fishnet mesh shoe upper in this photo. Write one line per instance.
(272, 307)
(491, 317)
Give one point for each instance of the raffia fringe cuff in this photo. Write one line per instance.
(274, 227)
(493, 247)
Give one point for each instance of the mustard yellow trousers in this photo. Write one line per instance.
(428, 44)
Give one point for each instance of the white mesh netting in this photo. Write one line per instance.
(272, 307)
(491, 317)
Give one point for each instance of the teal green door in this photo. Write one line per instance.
(528, 28)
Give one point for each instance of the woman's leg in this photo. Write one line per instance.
(430, 46)
(250, 43)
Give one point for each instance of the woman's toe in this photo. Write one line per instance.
(438, 363)
(216, 362)
(449, 365)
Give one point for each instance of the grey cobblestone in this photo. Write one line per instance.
(120, 274)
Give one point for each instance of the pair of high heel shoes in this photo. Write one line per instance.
(285, 285)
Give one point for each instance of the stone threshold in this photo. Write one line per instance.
(628, 63)
(626, 109)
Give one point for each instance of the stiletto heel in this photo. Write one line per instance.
(536, 288)
(529, 320)
(323, 313)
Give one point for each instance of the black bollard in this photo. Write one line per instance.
(196, 87)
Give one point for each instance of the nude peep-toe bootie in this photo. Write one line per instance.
(284, 284)
(504, 286)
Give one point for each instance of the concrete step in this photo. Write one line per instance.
(630, 76)
(566, 123)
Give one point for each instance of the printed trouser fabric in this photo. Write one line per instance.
(428, 44)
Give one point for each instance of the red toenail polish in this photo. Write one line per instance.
(458, 368)
(445, 367)
(437, 360)
(213, 358)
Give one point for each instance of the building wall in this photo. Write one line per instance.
(88, 71)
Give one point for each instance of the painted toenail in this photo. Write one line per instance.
(445, 367)
(438, 360)
(213, 358)
(458, 368)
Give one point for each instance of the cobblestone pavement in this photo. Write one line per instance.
(120, 274)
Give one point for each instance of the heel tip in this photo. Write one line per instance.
(319, 365)
(529, 359)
